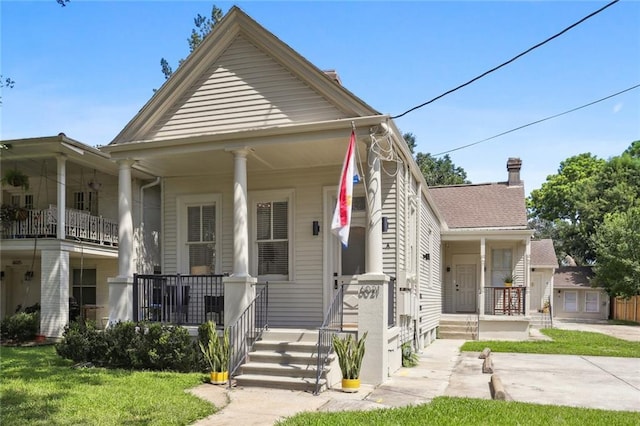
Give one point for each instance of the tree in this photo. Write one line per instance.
(62, 3)
(5, 82)
(410, 139)
(562, 201)
(571, 205)
(617, 243)
(440, 171)
(203, 26)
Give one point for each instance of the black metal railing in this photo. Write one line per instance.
(178, 299)
(248, 328)
(504, 300)
(332, 324)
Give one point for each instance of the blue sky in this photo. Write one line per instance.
(87, 68)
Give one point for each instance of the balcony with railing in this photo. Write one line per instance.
(79, 225)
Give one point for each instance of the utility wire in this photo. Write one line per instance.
(508, 62)
(538, 121)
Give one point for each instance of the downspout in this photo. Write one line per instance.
(142, 188)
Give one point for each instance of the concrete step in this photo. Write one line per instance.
(288, 370)
(290, 335)
(456, 335)
(279, 346)
(282, 358)
(279, 382)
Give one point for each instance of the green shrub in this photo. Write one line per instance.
(82, 343)
(409, 357)
(20, 327)
(166, 347)
(130, 345)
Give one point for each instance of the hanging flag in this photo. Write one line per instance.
(342, 214)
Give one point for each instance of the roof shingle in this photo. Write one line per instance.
(491, 205)
(543, 254)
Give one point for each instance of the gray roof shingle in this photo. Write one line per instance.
(573, 277)
(491, 205)
(543, 254)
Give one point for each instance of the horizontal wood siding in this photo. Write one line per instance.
(245, 88)
(297, 303)
(429, 270)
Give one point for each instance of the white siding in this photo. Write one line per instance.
(299, 302)
(245, 88)
(429, 270)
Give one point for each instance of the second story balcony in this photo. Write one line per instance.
(17, 222)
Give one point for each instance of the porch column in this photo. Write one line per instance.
(527, 277)
(54, 292)
(373, 298)
(239, 288)
(483, 266)
(373, 259)
(125, 219)
(61, 196)
(121, 287)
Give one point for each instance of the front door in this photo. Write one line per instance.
(464, 284)
(538, 291)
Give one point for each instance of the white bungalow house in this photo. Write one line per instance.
(485, 240)
(246, 143)
(59, 232)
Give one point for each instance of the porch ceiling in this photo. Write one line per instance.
(214, 159)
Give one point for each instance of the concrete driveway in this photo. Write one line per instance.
(579, 381)
(626, 332)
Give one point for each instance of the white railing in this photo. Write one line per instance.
(79, 225)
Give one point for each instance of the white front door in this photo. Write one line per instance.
(464, 284)
(538, 291)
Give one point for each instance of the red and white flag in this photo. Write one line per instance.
(342, 214)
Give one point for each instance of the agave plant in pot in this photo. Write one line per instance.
(350, 353)
(215, 350)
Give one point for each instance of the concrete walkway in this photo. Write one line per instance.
(582, 381)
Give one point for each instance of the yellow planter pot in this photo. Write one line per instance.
(350, 385)
(219, 377)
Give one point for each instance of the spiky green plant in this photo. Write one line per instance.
(214, 348)
(350, 354)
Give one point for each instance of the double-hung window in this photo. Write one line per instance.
(199, 233)
(272, 251)
(501, 266)
(591, 301)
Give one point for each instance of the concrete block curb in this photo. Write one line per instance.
(497, 389)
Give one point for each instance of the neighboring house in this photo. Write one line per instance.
(59, 236)
(574, 296)
(544, 262)
(485, 239)
(247, 140)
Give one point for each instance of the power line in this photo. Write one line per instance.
(539, 121)
(507, 62)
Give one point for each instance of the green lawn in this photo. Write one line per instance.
(39, 388)
(467, 411)
(565, 342)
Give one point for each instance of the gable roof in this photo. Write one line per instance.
(543, 254)
(241, 77)
(491, 205)
(573, 277)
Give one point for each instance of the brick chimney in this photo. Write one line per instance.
(513, 167)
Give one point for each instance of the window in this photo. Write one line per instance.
(28, 201)
(591, 301)
(570, 301)
(201, 238)
(84, 286)
(272, 248)
(501, 266)
(86, 201)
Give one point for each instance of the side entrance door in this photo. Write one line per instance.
(464, 283)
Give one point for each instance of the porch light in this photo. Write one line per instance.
(94, 184)
(385, 223)
(315, 227)
(28, 275)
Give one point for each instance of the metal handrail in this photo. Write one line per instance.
(247, 329)
(333, 322)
